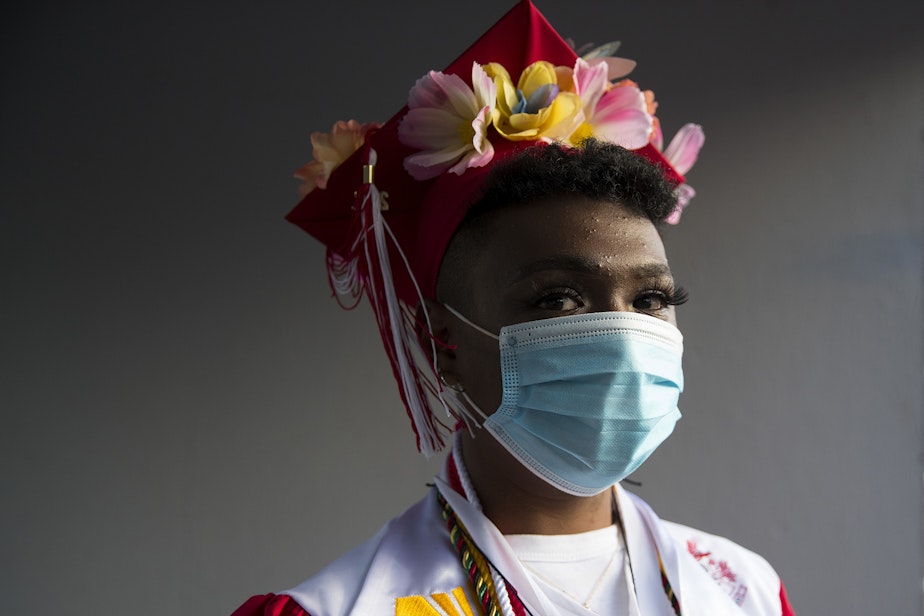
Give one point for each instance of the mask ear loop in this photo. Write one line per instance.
(457, 315)
(472, 404)
(461, 403)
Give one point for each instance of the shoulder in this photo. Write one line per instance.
(347, 584)
(746, 576)
(713, 550)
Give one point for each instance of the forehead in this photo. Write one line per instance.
(600, 234)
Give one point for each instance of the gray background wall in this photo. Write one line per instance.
(188, 419)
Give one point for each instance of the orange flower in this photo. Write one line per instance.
(329, 151)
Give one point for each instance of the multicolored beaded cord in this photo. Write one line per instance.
(668, 589)
(473, 561)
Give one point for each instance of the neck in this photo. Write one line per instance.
(519, 502)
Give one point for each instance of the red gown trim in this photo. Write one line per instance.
(784, 602)
(270, 605)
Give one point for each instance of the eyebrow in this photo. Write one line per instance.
(584, 265)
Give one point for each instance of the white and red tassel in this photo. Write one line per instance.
(366, 267)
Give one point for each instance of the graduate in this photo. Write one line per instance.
(504, 227)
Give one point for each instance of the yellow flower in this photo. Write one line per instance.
(538, 107)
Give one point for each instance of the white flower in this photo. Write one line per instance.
(448, 121)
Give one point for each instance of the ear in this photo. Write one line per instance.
(439, 338)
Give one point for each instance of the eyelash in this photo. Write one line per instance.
(671, 295)
(542, 295)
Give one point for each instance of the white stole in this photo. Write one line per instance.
(646, 538)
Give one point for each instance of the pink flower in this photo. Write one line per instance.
(616, 113)
(685, 194)
(448, 122)
(329, 151)
(684, 148)
(681, 153)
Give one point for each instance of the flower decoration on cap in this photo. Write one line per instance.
(538, 107)
(329, 151)
(681, 153)
(448, 121)
(387, 199)
(616, 113)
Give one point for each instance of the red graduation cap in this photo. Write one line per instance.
(386, 231)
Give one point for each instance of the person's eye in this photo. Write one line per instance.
(656, 300)
(652, 301)
(560, 300)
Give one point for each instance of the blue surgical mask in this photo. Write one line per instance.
(586, 398)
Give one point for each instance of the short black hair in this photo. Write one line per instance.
(596, 170)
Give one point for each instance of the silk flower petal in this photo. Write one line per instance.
(535, 76)
(590, 82)
(457, 94)
(683, 149)
(431, 163)
(428, 128)
(628, 128)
